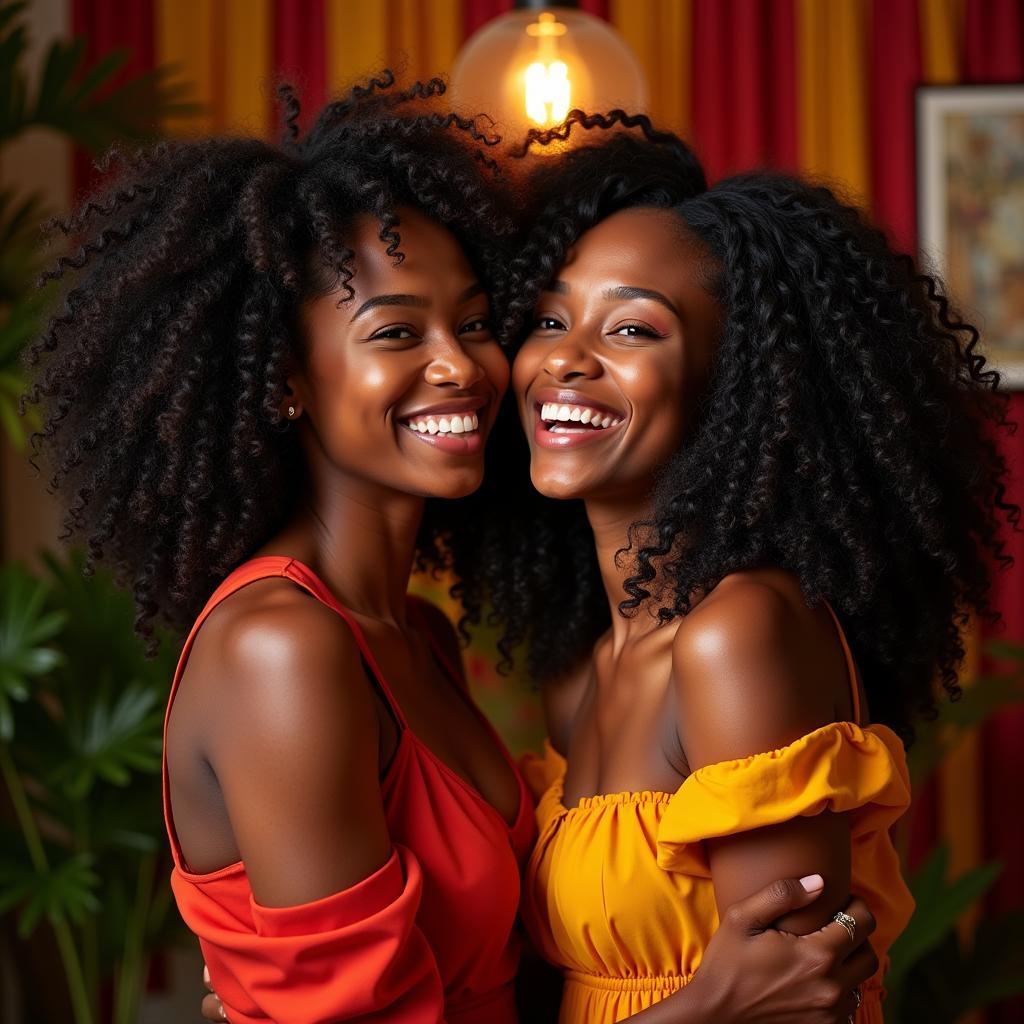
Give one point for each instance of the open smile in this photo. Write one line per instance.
(569, 420)
(453, 428)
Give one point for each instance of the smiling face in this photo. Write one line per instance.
(620, 351)
(402, 382)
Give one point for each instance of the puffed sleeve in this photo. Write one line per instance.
(840, 767)
(542, 771)
(356, 955)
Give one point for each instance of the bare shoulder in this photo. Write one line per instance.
(292, 737)
(754, 667)
(282, 662)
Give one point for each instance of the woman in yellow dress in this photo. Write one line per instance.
(774, 439)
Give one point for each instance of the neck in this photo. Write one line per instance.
(610, 520)
(360, 538)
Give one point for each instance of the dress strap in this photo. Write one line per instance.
(851, 665)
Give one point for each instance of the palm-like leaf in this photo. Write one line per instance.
(66, 891)
(77, 98)
(26, 627)
(114, 735)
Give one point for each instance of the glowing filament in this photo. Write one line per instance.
(547, 92)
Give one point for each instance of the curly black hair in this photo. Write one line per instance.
(160, 379)
(847, 433)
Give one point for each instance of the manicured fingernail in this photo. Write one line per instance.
(812, 883)
(206, 974)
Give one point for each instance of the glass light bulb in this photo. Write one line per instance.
(528, 70)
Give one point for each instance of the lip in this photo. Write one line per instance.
(566, 396)
(453, 444)
(457, 405)
(544, 438)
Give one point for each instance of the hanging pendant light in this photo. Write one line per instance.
(530, 67)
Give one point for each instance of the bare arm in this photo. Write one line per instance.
(755, 669)
(295, 753)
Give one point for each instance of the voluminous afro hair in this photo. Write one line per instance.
(847, 434)
(161, 379)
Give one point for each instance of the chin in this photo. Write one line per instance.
(454, 487)
(557, 486)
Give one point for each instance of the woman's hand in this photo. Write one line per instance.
(212, 1008)
(754, 973)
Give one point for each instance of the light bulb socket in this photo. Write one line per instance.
(538, 5)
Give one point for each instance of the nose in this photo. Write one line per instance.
(570, 360)
(452, 366)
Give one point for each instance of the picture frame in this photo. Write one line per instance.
(970, 176)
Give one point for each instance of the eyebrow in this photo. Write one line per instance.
(412, 300)
(621, 292)
(627, 292)
(390, 300)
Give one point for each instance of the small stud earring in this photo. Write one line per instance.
(291, 411)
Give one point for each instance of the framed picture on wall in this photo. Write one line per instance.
(970, 168)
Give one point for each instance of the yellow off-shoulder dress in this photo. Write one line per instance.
(618, 892)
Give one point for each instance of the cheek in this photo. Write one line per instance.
(525, 367)
(495, 366)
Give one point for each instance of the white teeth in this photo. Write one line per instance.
(445, 424)
(552, 412)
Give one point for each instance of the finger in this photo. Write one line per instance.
(206, 978)
(212, 1009)
(758, 912)
(846, 1009)
(837, 938)
(861, 913)
(860, 966)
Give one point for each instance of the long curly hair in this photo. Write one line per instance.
(160, 380)
(846, 435)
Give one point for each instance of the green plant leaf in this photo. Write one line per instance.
(939, 905)
(26, 628)
(117, 735)
(80, 99)
(994, 969)
(66, 892)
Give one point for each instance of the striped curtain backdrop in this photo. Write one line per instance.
(819, 86)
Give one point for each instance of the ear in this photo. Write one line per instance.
(291, 405)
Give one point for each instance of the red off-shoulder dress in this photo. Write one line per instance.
(426, 938)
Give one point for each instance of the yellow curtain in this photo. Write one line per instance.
(659, 33)
(832, 89)
(366, 35)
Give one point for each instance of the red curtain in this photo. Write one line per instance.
(111, 25)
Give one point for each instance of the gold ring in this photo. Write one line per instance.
(848, 922)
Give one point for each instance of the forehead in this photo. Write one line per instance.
(433, 256)
(647, 246)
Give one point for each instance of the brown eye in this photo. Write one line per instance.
(636, 331)
(548, 323)
(393, 333)
(477, 326)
